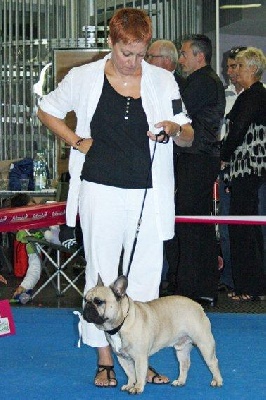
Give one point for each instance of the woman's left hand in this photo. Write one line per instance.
(172, 129)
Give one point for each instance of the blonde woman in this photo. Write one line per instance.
(245, 150)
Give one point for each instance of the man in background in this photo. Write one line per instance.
(198, 167)
(164, 54)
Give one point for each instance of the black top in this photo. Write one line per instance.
(119, 155)
(245, 145)
(249, 107)
(204, 98)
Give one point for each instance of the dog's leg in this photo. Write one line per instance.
(141, 368)
(136, 371)
(129, 368)
(183, 350)
(207, 349)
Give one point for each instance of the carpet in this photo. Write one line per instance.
(42, 361)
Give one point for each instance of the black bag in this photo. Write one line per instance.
(22, 169)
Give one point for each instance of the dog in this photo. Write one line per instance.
(136, 330)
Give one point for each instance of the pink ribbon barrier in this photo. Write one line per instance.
(214, 219)
(43, 215)
(32, 217)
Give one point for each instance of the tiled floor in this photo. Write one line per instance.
(71, 299)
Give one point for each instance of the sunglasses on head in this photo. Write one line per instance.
(235, 50)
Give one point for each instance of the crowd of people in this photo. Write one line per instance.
(148, 143)
(244, 281)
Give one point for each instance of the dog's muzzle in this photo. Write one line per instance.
(91, 315)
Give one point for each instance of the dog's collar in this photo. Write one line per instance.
(117, 329)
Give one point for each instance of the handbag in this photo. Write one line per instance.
(21, 259)
(7, 325)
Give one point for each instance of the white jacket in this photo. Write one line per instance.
(80, 91)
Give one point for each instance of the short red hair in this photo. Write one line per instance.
(130, 25)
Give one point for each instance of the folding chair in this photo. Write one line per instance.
(45, 249)
(5, 252)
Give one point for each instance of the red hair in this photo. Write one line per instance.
(130, 25)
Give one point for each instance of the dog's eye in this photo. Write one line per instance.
(98, 302)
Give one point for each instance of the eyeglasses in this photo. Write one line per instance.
(151, 56)
(182, 54)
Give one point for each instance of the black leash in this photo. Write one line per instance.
(165, 140)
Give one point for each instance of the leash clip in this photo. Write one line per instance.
(165, 137)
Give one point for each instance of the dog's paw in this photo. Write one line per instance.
(178, 382)
(136, 389)
(127, 387)
(217, 383)
(132, 389)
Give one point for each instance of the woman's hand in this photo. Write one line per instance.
(224, 164)
(182, 135)
(84, 145)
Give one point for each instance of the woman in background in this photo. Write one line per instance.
(244, 149)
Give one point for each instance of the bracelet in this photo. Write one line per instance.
(177, 134)
(79, 142)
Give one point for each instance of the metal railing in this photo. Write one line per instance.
(32, 29)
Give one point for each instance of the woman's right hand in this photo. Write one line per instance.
(85, 145)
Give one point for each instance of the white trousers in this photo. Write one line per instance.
(109, 218)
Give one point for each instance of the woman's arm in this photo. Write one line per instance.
(63, 132)
(241, 117)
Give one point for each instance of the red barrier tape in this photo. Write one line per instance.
(214, 219)
(32, 217)
(44, 215)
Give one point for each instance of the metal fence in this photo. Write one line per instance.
(32, 29)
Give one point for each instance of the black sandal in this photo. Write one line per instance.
(244, 298)
(156, 376)
(108, 369)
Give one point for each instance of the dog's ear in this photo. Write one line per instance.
(119, 286)
(99, 282)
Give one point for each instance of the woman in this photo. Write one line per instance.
(245, 149)
(121, 102)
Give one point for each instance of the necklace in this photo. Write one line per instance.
(122, 81)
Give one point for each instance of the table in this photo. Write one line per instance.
(45, 193)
